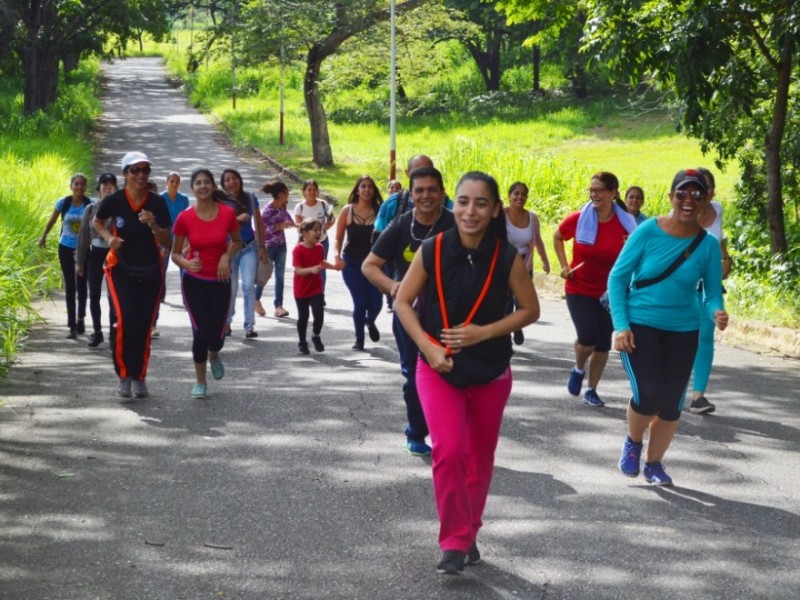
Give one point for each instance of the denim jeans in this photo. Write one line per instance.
(277, 254)
(245, 261)
(417, 427)
(367, 299)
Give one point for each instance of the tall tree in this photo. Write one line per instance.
(730, 64)
(321, 27)
(53, 31)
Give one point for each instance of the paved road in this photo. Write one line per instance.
(291, 482)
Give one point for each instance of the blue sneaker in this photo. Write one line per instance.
(655, 474)
(575, 382)
(417, 447)
(199, 391)
(217, 368)
(630, 458)
(592, 399)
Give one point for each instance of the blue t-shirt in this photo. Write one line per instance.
(670, 304)
(177, 206)
(71, 225)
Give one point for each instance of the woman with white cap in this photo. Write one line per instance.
(133, 269)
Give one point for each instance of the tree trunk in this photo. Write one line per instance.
(320, 141)
(772, 152)
(537, 66)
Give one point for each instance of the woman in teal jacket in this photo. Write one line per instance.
(657, 323)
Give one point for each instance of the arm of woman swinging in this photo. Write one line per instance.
(410, 288)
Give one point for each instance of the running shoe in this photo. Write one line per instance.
(217, 368)
(124, 387)
(95, 339)
(80, 327)
(452, 563)
(575, 382)
(318, 345)
(701, 406)
(655, 474)
(630, 458)
(592, 399)
(374, 334)
(199, 391)
(139, 388)
(73, 335)
(519, 338)
(303, 347)
(154, 333)
(251, 333)
(359, 345)
(473, 555)
(417, 447)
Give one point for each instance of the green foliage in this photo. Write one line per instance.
(40, 153)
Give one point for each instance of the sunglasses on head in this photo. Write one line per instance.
(695, 195)
(136, 170)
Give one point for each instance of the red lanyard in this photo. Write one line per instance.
(437, 258)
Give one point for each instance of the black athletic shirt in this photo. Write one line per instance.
(140, 248)
(396, 244)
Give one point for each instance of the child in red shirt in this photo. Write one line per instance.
(307, 260)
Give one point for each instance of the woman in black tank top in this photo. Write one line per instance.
(351, 246)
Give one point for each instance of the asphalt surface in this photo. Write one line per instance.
(291, 482)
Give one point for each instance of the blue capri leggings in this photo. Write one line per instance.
(659, 370)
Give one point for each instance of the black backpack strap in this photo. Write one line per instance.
(675, 264)
(402, 203)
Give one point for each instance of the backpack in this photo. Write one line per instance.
(402, 204)
(68, 203)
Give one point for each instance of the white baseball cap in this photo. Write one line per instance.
(131, 158)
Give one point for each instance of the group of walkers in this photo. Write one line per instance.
(461, 285)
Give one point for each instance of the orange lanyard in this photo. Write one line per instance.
(437, 258)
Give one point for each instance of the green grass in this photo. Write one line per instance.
(40, 153)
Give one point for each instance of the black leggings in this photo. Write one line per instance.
(316, 304)
(207, 303)
(659, 370)
(135, 298)
(592, 322)
(94, 275)
(72, 283)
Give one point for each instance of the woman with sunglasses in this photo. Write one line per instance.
(657, 321)
(599, 231)
(133, 269)
(465, 276)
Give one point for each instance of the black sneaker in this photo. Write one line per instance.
(519, 337)
(473, 555)
(452, 563)
(303, 347)
(359, 345)
(73, 334)
(374, 334)
(95, 339)
(80, 327)
(318, 345)
(701, 406)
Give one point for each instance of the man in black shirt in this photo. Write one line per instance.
(398, 243)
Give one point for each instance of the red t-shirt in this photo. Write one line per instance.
(306, 286)
(208, 239)
(592, 278)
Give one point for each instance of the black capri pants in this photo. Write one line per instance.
(659, 370)
(316, 304)
(207, 303)
(592, 322)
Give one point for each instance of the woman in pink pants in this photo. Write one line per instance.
(465, 275)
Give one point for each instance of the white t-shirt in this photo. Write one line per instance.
(715, 228)
(320, 211)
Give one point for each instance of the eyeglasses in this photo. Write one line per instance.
(597, 190)
(136, 170)
(695, 195)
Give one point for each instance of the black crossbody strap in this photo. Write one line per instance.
(675, 264)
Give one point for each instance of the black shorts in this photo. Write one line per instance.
(592, 322)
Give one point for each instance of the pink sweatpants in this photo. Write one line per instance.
(464, 425)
